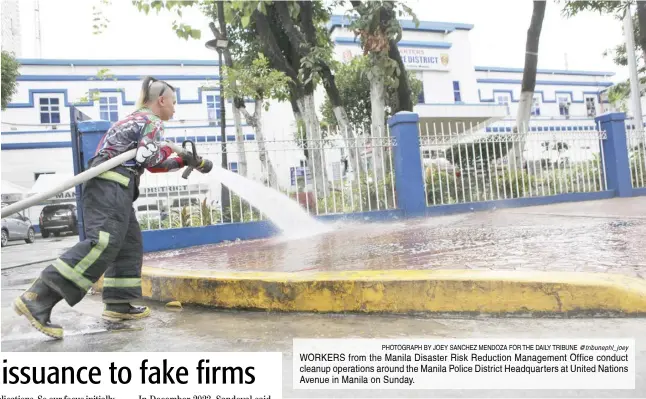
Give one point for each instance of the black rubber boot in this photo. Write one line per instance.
(36, 305)
(125, 311)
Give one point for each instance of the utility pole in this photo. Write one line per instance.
(629, 33)
(38, 41)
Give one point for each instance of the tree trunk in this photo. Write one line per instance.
(303, 43)
(228, 60)
(300, 125)
(378, 126)
(242, 155)
(255, 121)
(351, 141)
(265, 162)
(528, 83)
(404, 100)
(315, 145)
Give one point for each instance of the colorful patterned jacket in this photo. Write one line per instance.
(142, 130)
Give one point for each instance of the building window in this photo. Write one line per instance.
(233, 167)
(109, 109)
(504, 100)
(50, 110)
(590, 107)
(420, 98)
(536, 107)
(213, 108)
(456, 92)
(564, 106)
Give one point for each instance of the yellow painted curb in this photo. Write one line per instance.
(402, 291)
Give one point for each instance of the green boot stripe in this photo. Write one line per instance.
(72, 275)
(131, 282)
(94, 253)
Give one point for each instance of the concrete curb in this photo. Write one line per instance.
(403, 291)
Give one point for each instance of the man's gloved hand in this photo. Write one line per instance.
(177, 149)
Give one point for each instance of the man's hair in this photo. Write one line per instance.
(152, 89)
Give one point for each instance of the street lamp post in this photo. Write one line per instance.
(219, 45)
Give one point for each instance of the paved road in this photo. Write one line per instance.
(199, 329)
(18, 253)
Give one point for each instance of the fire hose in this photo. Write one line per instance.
(92, 173)
(73, 182)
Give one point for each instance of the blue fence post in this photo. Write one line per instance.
(409, 177)
(615, 151)
(85, 138)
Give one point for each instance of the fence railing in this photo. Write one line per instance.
(636, 146)
(411, 168)
(465, 163)
(339, 173)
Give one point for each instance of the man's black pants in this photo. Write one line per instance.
(113, 243)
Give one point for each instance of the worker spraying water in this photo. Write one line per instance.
(113, 245)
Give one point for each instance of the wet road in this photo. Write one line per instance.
(17, 253)
(607, 237)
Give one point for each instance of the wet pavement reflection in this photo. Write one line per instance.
(498, 240)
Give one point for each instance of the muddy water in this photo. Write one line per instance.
(496, 240)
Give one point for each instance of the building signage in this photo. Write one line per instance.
(66, 195)
(425, 59)
(165, 189)
(420, 59)
(300, 174)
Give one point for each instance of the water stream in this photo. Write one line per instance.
(285, 213)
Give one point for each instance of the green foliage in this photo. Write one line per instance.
(572, 8)
(257, 80)
(10, 73)
(444, 188)
(621, 91)
(638, 166)
(182, 30)
(376, 33)
(499, 182)
(242, 211)
(94, 95)
(359, 196)
(99, 20)
(203, 215)
(515, 183)
(354, 88)
(480, 152)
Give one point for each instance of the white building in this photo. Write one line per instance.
(439, 53)
(36, 132)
